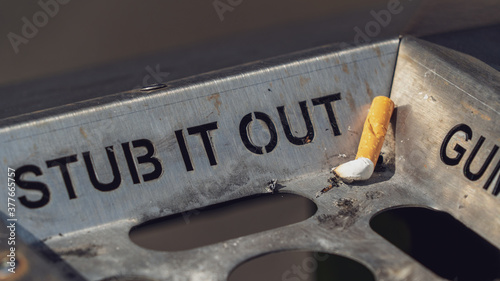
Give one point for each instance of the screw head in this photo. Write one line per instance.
(153, 87)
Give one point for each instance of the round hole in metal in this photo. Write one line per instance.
(127, 278)
(220, 222)
(300, 266)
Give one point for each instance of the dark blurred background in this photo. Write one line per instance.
(58, 52)
(86, 34)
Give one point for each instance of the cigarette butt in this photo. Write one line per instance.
(375, 128)
(371, 142)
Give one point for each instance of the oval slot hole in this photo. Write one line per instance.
(439, 242)
(221, 222)
(299, 266)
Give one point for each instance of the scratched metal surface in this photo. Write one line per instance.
(350, 77)
(354, 77)
(434, 90)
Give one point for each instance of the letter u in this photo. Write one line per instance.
(115, 183)
(286, 125)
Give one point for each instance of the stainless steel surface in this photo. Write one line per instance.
(225, 98)
(434, 89)
(327, 78)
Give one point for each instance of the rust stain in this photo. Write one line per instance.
(475, 111)
(216, 100)
(344, 68)
(304, 81)
(32, 154)
(337, 79)
(355, 64)
(327, 60)
(83, 133)
(377, 50)
(470, 107)
(368, 89)
(350, 101)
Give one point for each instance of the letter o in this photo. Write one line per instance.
(369, 31)
(245, 138)
(37, 16)
(318, 257)
(309, 264)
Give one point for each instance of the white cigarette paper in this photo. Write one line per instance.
(355, 170)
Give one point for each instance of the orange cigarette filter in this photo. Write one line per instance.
(375, 128)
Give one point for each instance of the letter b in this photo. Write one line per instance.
(383, 17)
(360, 35)
(51, 7)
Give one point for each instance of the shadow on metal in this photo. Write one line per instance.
(439, 242)
(301, 265)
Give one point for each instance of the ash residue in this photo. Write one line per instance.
(274, 186)
(335, 180)
(325, 218)
(345, 217)
(380, 166)
(370, 195)
(348, 208)
(88, 251)
(345, 203)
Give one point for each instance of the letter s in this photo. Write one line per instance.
(32, 185)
